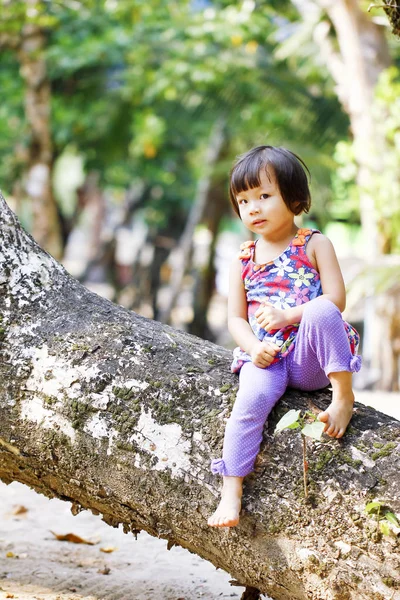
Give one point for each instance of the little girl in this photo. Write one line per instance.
(286, 294)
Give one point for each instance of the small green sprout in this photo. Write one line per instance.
(383, 515)
(313, 429)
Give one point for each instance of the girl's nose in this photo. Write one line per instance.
(254, 207)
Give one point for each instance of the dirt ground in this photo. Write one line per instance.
(34, 565)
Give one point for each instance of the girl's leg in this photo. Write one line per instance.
(259, 391)
(322, 355)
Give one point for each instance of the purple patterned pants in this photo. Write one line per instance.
(322, 347)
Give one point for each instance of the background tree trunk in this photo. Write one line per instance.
(122, 415)
(38, 184)
(205, 277)
(183, 251)
(363, 54)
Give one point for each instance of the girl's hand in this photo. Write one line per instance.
(269, 317)
(263, 353)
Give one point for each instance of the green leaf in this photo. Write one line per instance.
(392, 519)
(314, 430)
(310, 415)
(373, 507)
(288, 421)
(384, 528)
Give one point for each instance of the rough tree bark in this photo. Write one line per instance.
(392, 9)
(122, 415)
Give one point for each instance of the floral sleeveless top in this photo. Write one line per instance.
(289, 280)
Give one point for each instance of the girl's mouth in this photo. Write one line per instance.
(259, 222)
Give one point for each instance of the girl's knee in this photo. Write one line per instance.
(255, 406)
(321, 310)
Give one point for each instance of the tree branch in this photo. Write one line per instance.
(122, 415)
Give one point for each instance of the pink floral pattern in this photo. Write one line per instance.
(289, 280)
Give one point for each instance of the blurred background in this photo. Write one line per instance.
(119, 122)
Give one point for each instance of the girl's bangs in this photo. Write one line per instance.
(246, 175)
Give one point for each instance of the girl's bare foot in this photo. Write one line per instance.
(227, 513)
(337, 416)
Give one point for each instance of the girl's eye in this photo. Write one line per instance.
(264, 196)
(242, 201)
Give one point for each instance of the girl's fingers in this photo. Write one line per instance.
(275, 347)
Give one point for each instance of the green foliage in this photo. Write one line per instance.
(293, 420)
(383, 515)
(384, 158)
(313, 430)
(13, 135)
(289, 421)
(136, 89)
(386, 182)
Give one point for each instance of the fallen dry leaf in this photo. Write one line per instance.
(19, 510)
(11, 555)
(108, 550)
(105, 571)
(71, 537)
(10, 596)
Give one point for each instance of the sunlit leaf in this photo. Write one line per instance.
(392, 519)
(373, 507)
(314, 430)
(384, 527)
(288, 421)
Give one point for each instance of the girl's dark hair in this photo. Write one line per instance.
(288, 169)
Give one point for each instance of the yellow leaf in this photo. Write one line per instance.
(149, 150)
(108, 550)
(251, 47)
(71, 537)
(236, 40)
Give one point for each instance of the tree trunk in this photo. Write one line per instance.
(183, 251)
(122, 415)
(205, 277)
(363, 54)
(46, 224)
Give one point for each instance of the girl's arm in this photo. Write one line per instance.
(238, 325)
(262, 353)
(322, 254)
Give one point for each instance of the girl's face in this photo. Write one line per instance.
(263, 209)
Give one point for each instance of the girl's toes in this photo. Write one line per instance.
(323, 417)
(330, 430)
